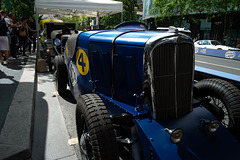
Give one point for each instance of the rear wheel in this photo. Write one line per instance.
(95, 131)
(61, 74)
(49, 61)
(225, 100)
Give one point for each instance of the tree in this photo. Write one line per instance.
(129, 14)
(169, 8)
(111, 20)
(223, 8)
(185, 8)
(129, 9)
(20, 7)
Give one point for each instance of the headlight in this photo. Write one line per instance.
(175, 135)
(41, 34)
(213, 126)
(57, 42)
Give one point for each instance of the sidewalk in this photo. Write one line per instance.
(16, 134)
(34, 127)
(50, 137)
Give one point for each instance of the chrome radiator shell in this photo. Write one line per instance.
(168, 69)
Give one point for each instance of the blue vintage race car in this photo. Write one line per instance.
(136, 95)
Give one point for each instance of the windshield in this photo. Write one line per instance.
(215, 43)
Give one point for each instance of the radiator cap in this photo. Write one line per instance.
(172, 29)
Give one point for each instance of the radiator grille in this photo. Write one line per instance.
(172, 75)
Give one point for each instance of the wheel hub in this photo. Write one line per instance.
(83, 143)
(221, 111)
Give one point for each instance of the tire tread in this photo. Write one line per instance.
(104, 145)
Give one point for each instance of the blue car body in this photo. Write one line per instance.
(111, 63)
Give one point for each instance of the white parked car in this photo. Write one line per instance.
(213, 44)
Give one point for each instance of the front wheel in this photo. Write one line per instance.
(225, 100)
(61, 75)
(95, 131)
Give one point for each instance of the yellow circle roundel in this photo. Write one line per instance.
(82, 62)
(66, 50)
(67, 53)
(230, 54)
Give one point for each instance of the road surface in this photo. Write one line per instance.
(219, 64)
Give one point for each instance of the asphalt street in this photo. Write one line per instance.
(10, 75)
(219, 64)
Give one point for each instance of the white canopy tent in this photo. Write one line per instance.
(87, 8)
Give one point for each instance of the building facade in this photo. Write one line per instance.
(224, 28)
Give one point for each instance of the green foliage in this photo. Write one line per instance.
(111, 20)
(185, 8)
(179, 10)
(169, 8)
(129, 14)
(22, 8)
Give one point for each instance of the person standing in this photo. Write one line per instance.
(238, 46)
(4, 47)
(23, 34)
(32, 35)
(7, 20)
(13, 28)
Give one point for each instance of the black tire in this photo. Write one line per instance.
(61, 75)
(95, 131)
(225, 96)
(49, 61)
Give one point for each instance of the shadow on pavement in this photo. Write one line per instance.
(40, 127)
(8, 86)
(4, 75)
(67, 96)
(17, 64)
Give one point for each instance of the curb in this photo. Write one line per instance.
(17, 132)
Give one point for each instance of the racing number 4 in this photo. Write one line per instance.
(81, 61)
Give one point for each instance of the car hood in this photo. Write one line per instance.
(201, 143)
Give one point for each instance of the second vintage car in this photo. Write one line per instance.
(53, 38)
(213, 44)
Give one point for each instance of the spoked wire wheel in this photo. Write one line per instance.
(218, 103)
(85, 142)
(225, 100)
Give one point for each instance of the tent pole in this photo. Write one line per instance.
(98, 20)
(37, 27)
(122, 16)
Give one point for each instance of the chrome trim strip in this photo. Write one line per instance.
(175, 78)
